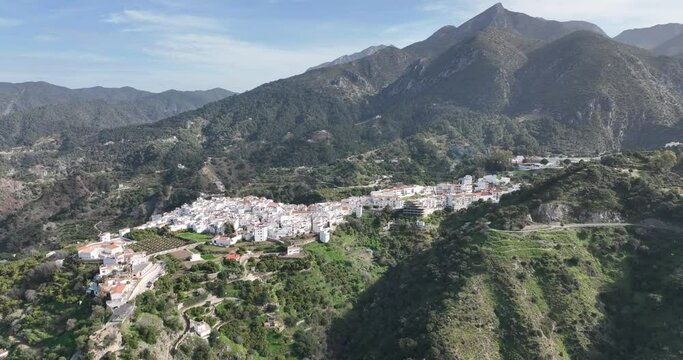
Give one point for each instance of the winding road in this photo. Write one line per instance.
(648, 224)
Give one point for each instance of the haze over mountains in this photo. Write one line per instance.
(29, 111)
(664, 39)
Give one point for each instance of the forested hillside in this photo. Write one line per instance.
(31, 111)
(501, 81)
(580, 292)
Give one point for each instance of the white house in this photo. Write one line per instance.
(111, 249)
(324, 236)
(88, 252)
(106, 270)
(202, 329)
(105, 236)
(224, 241)
(293, 250)
(117, 292)
(124, 231)
(195, 257)
(260, 233)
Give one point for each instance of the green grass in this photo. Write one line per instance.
(194, 236)
(208, 257)
(326, 252)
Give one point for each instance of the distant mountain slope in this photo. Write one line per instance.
(503, 80)
(349, 58)
(672, 47)
(650, 38)
(34, 110)
(593, 85)
(615, 95)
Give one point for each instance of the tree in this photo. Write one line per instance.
(499, 160)
(664, 161)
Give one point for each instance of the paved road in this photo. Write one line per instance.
(141, 286)
(648, 224)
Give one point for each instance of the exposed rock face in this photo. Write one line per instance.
(552, 212)
(599, 217)
(562, 212)
(349, 58)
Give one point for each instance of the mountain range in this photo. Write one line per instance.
(502, 80)
(349, 58)
(664, 39)
(29, 111)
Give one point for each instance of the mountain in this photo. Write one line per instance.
(34, 110)
(595, 89)
(487, 291)
(660, 39)
(497, 17)
(501, 81)
(349, 58)
(673, 47)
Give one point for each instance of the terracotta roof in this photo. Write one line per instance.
(232, 256)
(118, 289)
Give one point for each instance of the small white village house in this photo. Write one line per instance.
(202, 329)
(293, 250)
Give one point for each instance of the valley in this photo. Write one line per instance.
(508, 188)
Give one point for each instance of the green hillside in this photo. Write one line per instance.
(607, 292)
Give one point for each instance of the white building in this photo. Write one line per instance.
(105, 236)
(224, 241)
(124, 231)
(117, 292)
(293, 250)
(195, 257)
(260, 233)
(202, 329)
(88, 252)
(324, 236)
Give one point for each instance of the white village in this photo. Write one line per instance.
(125, 273)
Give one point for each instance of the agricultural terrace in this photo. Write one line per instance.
(155, 240)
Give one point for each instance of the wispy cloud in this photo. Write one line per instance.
(71, 56)
(613, 15)
(45, 37)
(146, 20)
(243, 62)
(200, 45)
(7, 22)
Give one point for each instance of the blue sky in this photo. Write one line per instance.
(239, 44)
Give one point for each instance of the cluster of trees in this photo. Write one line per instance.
(45, 305)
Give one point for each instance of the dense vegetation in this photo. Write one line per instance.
(31, 111)
(576, 293)
(44, 307)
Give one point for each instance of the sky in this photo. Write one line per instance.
(157, 45)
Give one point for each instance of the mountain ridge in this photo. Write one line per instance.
(35, 109)
(349, 58)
